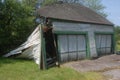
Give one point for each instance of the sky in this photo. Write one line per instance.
(113, 10)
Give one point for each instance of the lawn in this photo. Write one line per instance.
(20, 69)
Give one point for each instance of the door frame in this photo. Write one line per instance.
(72, 33)
(112, 38)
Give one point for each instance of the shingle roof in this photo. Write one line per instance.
(73, 12)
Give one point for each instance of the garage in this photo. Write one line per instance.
(72, 47)
(104, 44)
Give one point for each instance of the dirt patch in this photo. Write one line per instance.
(113, 74)
(106, 64)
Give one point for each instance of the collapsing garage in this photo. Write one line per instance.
(70, 32)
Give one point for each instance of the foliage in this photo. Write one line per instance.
(96, 6)
(18, 69)
(16, 23)
(117, 37)
(29, 2)
(47, 2)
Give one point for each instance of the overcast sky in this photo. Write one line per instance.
(113, 10)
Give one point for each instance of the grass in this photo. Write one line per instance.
(19, 69)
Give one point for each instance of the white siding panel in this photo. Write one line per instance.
(72, 41)
(81, 55)
(98, 38)
(81, 43)
(81, 46)
(108, 44)
(72, 56)
(103, 43)
(98, 43)
(63, 26)
(63, 43)
(64, 57)
(93, 52)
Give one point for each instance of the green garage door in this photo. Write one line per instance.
(72, 47)
(103, 44)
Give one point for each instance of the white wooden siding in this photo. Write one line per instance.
(67, 26)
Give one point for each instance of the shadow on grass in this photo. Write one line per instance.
(4, 61)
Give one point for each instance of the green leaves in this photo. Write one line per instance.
(47, 2)
(16, 23)
(117, 37)
(96, 6)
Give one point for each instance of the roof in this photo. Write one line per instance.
(73, 12)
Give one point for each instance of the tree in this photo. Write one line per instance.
(16, 23)
(31, 3)
(96, 6)
(117, 37)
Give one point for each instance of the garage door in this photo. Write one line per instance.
(104, 44)
(72, 47)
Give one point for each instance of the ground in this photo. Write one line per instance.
(22, 69)
(103, 68)
(108, 65)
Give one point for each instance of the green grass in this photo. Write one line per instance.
(19, 69)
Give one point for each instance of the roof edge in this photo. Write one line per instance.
(77, 21)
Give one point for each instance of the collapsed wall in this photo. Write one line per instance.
(30, 49)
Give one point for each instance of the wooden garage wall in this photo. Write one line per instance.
(59, 26)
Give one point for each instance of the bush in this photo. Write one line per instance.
(16, 23)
